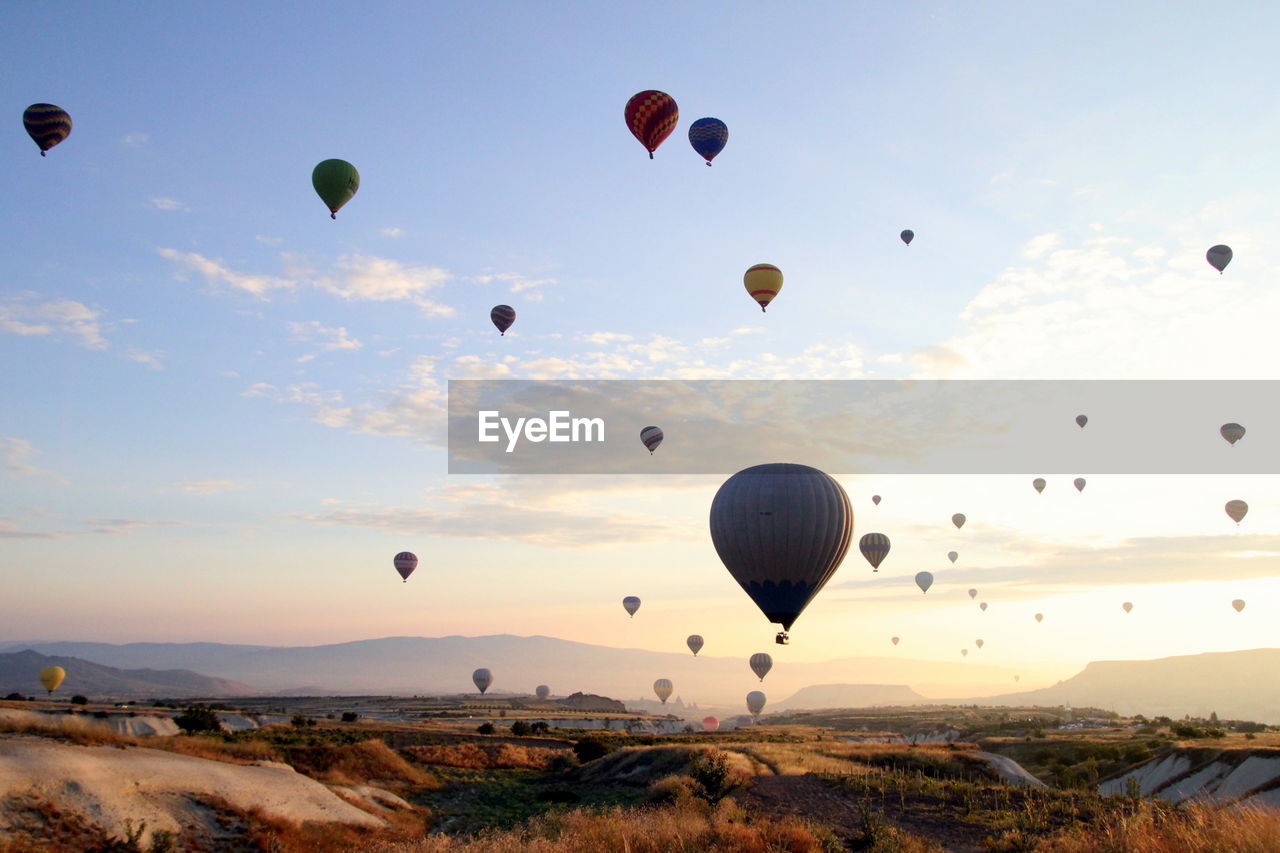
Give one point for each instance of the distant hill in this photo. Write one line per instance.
(1237, 685)
(19, 671)
(818, 696)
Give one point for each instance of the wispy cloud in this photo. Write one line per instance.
(329, 338)
(23, 314)
(125, 526)
(9, 529)
(392, 232)
(517, 283)
(208, 487)
(150, 359)
(135, 139)
(16, 455)
(163, 203)
(217, 273)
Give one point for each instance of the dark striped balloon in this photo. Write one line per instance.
(47, 125)
(875, 547)
(503, 316)
(405, 562)
(708, 136)
(651, 116)
(652, 437)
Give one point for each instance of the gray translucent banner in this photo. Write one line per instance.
(864, 426)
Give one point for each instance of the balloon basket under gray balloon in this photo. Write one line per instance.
(782, 639)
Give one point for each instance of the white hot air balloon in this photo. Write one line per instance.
(761, 663)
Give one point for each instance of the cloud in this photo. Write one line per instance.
(208, 487)
(10, 530)
(330, 338)
(135, 139)
(1038, 247)
(15, 454)
(518, 283)
(150, 359)
(21, 314)
(392, 232)
(125, 526)
(374, 279)
(162, 203)
(216, 272)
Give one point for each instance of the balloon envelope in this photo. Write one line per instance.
(662, 688)
(979, 643)
(1236, 510)
(1038, 484)
(875, 499)
(47, 125)
(631, 604)
(1081, 420)
(1079, 484)
(958, 520)
(1128, 606)
(983, 607)
(953, 556)
(781, 530)
(1238, 604)
(1232, 432)
(708, 136)
(51, 677)
(695, 643)
(875, 547)
(651, 437)
(763, 281)
(482, 678)
(405, 562)
(907, 236)
(964, 652)
(1039, 617)
(761, 663)
(755, 702)
(1218, 257)
(893, 640)
(502, 316)
(973, 593)
(542, 691)
(710, 724)
(335, 181)
(651, 116)
(924, 580)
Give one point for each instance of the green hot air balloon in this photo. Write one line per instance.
(336, 182)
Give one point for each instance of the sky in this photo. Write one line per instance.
(224, 411)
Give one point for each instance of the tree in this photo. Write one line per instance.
(520, 728)
(350, 716)
(485, 728)
(79, 700)
(198, 719)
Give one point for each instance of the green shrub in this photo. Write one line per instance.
(198, 719)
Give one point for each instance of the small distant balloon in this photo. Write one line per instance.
(694, 643)
(875, 547)
(755, 702)
(51, 677)
(1236, 510)
(760, 664)
(979, 643)
(924, 580)
(958, 520)
(336, 182)
(405, 562)
(482, 678)
(982, 606)
(542, 691)
(1081, 420)
(1038, 484)
(651, 437)
(893, 640)
(763, 282)
(907, 236)
(1128, 606)
(1039, 617)
(651, 116)
(973, 593)
(1017, 678)
(1079, 484)
(502, 316)
(662, 688)
(631, 604)
(710, 724)
(875, 499)
(47, 125)
(1238, 604)
(964, 652)
(1218, 257)
(1232, 433)
(708, 136)
(953, 556)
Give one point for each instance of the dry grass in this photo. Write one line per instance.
(474, 756)
(71, 728)
(369, 761)
(724, 829)
(1159, 828)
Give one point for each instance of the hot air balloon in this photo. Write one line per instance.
(631, 604)
(51, 677)
(1081, 420)
(875, 547)
(958, 520)
(1236, 510)
(335, 181)
(405, 562)
(542, 691)
(982, 606)
(752, 519)
(1038, 484)
(953, 556)
(893, 640)
(710, 724)
(979, 643)
(964, 653)
(708, 137)
(1039, 617)
(907, 236)
(755, 702)
(973, 593)
(651, 437)
(1238, 604)
(924, 580)
(763, 281)
(47, 125)
(1017, 678)
(761, 663)
(651, 116)
(1218, 257)
(1128, 606)
(1232, 433)
(502, 316)
(662, 687)
(482, 678)
(1079, 484)
(875, 499)
(695, 643)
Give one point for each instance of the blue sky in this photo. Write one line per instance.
(224, 407)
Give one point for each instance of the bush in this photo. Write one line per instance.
(539, 728)
(197, 719)
(79, 700)
(591, 748)
(485, 728)
(521, 728)
(350, 716)
(301, 721)
(712, 775)
(16, 697)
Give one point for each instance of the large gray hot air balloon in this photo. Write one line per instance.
(542, 691)
(755, 702)
(1236, 510)
(958, 520)
(1038, 484)
(631, 604)
(1232, 433)
(781, 530)
(1218, 257)
(482, 678)
(695, 643)
(924, 580)
(662, 687)
(761, 663)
